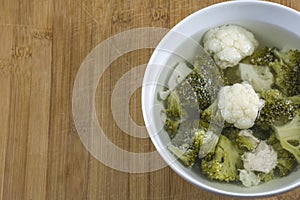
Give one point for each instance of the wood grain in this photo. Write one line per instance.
(43, 43)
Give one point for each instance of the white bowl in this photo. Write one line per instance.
(274, 24)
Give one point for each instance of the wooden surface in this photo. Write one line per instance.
(43, 43)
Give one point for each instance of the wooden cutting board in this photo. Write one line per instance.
(43, 44)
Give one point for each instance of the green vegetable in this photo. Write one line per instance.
(265, 177)
(287, 70)
(224, 163)
(261, 57)
(295, 100)
(194, 92)
(286, 161)
(291, 57)
(285, 165)
(206, 115)
(185, 133)
(285, 64)
(192, 96)
(289, 136)
(213, 132)
(194, 118)
(245, 140)
(174, 109)
(187, 153)
(277, 108)
(174, 112)
(171, 126)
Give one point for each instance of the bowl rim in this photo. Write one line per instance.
(144, 96)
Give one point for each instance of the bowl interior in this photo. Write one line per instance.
(272, 24)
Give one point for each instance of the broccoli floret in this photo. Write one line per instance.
(246, 141)
(174, 113)
(172, 126)
(198, 139)
(173, 106)
(286, 66)
(287, 71)
(197, 91)
(206, 115)
(261, 57)
(187, 153)
(291, 57)
(223, 165)
(295, 100)
(289, 136)
(194, 93)
(277, 108)
(286, 161)
(202, 85)
(265, 177)
(185, 133)
(285, 165)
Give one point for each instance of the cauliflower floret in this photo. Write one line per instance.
(229, 44)
(249, 178)
(260, 77)
(239, 105)
(262, 159)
